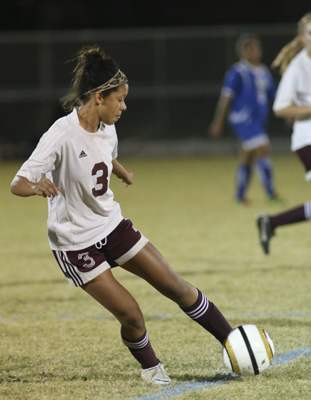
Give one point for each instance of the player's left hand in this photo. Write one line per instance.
(128, 179)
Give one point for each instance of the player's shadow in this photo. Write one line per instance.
(208, 380)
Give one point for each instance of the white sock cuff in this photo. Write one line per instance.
(137, 345)
(307, 209)
(200, 310)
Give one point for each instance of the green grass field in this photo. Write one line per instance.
(58, 343)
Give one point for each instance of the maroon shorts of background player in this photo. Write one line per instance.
(109, 249)
(304, 155)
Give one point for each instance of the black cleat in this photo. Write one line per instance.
(265, 231)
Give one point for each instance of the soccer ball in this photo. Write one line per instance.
(248, 350)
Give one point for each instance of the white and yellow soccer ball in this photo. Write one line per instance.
(248, 350)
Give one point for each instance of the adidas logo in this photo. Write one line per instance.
(82, 154)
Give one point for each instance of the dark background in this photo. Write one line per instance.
(174, 52)
(101, 14)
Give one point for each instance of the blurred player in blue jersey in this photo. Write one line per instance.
(246, 97)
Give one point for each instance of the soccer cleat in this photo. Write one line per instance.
(245, 201)
(265, 231)
(156, 375)
(276, 199)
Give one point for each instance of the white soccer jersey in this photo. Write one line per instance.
(295, 88)
(80, 164)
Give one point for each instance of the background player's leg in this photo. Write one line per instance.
(265, 171)
(243, 175)
(291, 216)
(268, 223)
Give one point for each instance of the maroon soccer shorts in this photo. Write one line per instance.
(304, 155)
(117, 248)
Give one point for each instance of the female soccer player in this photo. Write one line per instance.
(246, 98)
(87, 232)
(293, 100)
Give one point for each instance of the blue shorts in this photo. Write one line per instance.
(81, 266)
(255, 142)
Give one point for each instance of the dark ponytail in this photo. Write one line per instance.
(93, 69)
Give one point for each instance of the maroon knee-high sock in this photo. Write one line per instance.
(142, 350)
(209, 317)
(297, 214)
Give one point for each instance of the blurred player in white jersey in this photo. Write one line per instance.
(72, 166)
(293, 101)
(246, 97)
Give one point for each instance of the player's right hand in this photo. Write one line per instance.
(214, 130)
(47, 188)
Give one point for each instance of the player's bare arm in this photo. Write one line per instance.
(294, 111)
(122, 173)
(21, 186)
(222, 109)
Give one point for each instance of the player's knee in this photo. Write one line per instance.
(179, 292)
(132, 319)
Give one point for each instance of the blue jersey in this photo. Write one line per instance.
(252, 89)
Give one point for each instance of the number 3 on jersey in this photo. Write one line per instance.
(100, 170)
